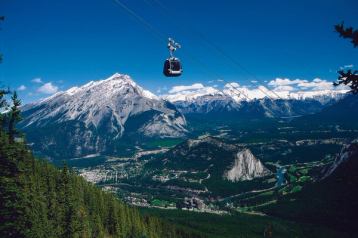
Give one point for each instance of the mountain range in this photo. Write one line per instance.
(236, 102)
(112, 115)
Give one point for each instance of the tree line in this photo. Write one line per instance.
(40, 200)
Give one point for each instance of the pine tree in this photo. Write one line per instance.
(14, 117)
(11, 193)
(112, 219)
(348, 77)
(347, 33)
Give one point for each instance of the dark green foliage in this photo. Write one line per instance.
(330, 202)
(14, 117)
(239, 225)
(3, 104)
(39, 200)
(347, 33)
(348, 77)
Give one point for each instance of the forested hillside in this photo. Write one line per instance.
(39, 200)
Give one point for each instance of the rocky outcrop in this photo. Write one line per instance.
(246, 167)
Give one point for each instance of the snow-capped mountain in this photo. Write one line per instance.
(192, 95)
(245, 94)
(207, 104)
(257, 102)
(246, 167)
(242, 93)
(93, 118)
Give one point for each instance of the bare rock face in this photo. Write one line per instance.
(246, 167)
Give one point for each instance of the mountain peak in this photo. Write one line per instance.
(102, 112)
(120, 77)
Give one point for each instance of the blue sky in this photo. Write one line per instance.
(53, 45)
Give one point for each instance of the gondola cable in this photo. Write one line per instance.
(221, 52)
(160, 36)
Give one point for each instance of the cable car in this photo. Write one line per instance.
(172, 65)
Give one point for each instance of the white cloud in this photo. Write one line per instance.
(48, 88)
(284, 88)
(181, 88)
(37, 80)
(21, 88)
(316, 84)
(284, 82)
(348, 66)
(188, 92)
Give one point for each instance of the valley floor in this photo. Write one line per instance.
(196, 198)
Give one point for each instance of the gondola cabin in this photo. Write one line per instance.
(172, 67)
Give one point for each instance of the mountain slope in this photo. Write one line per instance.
(39, 200)
(97, 117)
(213, 103)
(343, 113)
(330, 201)
(256, 108)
